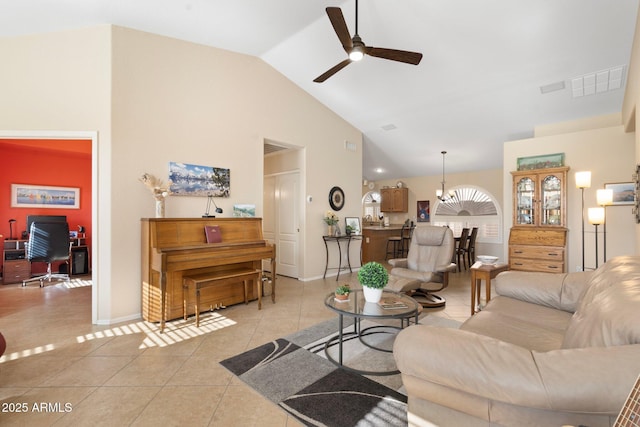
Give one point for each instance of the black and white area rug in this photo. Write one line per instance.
(293, 372)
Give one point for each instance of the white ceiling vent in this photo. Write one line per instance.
(552, 87)
(598, 82)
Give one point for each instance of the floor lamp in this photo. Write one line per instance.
(596, 217)
(583, 180)
(604, 198)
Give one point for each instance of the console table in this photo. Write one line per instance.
(338, 240)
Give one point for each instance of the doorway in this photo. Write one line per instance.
(281, 222)
(36, 138)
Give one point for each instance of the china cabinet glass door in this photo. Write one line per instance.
(551, 192)
(525, 193)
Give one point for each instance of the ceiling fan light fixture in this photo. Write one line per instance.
(357, 52)
(356, 55)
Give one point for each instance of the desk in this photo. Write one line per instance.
(339, 239)
(486, 273)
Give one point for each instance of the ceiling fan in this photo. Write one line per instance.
(356, 49)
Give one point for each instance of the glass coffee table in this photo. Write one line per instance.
(403, 309)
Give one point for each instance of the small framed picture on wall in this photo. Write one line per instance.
(623, 192)
(423, 214)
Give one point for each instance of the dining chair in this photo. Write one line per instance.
(461, 248)
(471, 247)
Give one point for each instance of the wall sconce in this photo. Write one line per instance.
(596, 217)
(604, 198)
(583, 180)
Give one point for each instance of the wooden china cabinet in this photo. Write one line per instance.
(538, 238)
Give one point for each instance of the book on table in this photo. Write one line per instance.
(391, 303)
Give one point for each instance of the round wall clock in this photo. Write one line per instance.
(336, 198)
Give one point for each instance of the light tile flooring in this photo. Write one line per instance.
(59, 369)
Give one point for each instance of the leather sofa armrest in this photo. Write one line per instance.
(559, 291)
(566, 380)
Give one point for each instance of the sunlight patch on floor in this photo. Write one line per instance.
(174, 332)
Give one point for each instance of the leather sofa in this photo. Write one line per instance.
(549, 349)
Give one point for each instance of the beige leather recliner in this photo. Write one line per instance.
(427, 266)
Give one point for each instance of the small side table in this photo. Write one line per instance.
(486, 273)
(338, 239)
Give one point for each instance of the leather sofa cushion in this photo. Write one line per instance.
(531, 326)
(608, 313)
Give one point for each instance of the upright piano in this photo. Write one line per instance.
(177, 247)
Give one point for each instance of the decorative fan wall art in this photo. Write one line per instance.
(467, 202)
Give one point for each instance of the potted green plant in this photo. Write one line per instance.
(342, 292)
(373, 277)
(349, 229)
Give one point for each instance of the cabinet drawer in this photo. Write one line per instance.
(524, 264)
(545, 253)
(16, 271)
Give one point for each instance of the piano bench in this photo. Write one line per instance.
(206, 280)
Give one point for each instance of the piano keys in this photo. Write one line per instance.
(176, 247)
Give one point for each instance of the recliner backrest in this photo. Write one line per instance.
(430, 247)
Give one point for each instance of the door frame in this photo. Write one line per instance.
(95, 226)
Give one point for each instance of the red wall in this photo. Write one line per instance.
(45, 163)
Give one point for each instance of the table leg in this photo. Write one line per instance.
(339, 259)
(349, 250)
(340, 338)
(473, 293)
(326, 264)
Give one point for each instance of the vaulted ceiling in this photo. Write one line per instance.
(481, 81)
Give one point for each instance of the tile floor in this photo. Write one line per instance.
(59, 369)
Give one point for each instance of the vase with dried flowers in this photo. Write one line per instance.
(331, 219)
(158, 190)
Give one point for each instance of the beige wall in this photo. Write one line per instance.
(153, 100)
(424, 188)
(632, 94)
(609, 153)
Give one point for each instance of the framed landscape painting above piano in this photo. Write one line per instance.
(196, 180)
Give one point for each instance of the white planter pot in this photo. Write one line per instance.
(371, 294)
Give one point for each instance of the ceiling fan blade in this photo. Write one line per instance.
(340, 27)
(395, 55)
(332, 71)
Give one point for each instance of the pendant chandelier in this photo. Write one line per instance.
(440, 194)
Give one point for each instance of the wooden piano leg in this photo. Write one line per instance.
(163, 299)
(197, 308)
(185, 302)
(246, 295)
(273, 279)
(260, 289)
